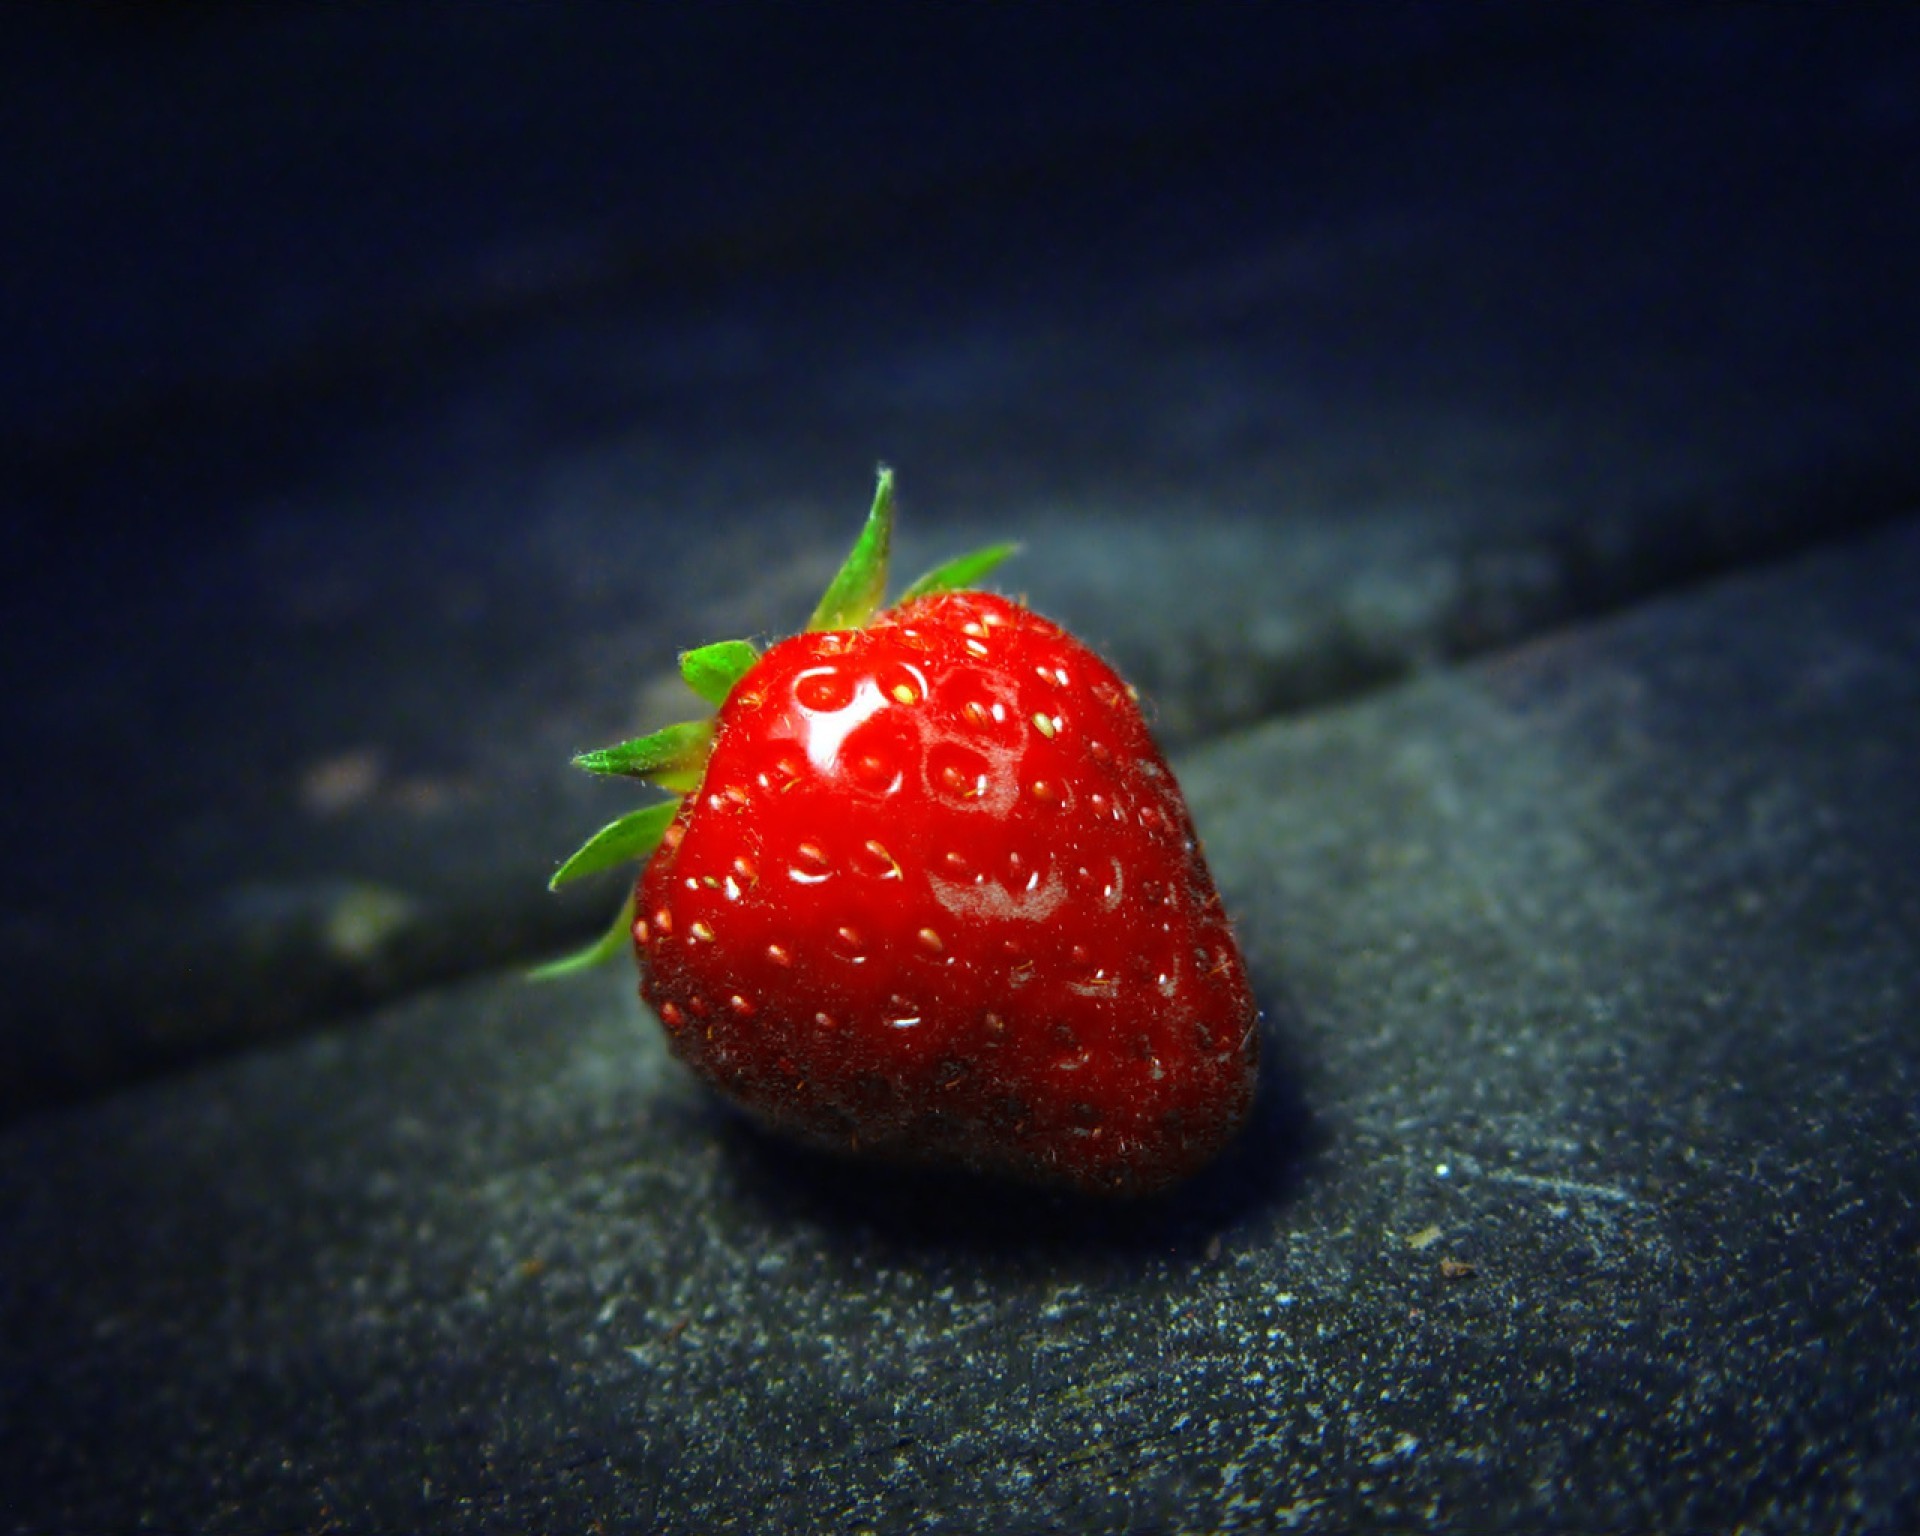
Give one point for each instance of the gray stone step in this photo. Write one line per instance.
(1582, 1194)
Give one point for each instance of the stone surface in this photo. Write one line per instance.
(1478, 327)
(1582, 1195)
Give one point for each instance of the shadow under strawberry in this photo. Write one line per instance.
(938, 1210)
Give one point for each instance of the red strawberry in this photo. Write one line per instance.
(934, 895)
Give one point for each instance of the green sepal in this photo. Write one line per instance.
(960, 573)
(673, 757)
(610, 944)
(712, 670)
(855, 594)
(633, 836)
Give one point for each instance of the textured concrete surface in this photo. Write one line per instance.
(368, 450)
(1581, 1198)
(1334, 356)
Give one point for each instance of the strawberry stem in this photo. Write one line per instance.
(855, 593)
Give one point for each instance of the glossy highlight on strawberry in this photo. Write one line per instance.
(933, 895)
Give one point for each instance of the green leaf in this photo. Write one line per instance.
(854, 595)
(712, 670)
(633, 836)
(673, 758)
(961, 572)
(610, 944)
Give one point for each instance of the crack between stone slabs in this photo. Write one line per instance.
(1821, 508)
(1645, 560)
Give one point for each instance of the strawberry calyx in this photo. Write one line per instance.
(675, 757)
(672, 757)
(712, 670)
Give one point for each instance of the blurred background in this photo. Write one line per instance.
(390, 391)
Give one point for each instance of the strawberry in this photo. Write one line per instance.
(931, 893)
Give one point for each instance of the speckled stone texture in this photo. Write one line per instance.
(1581, 1198)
